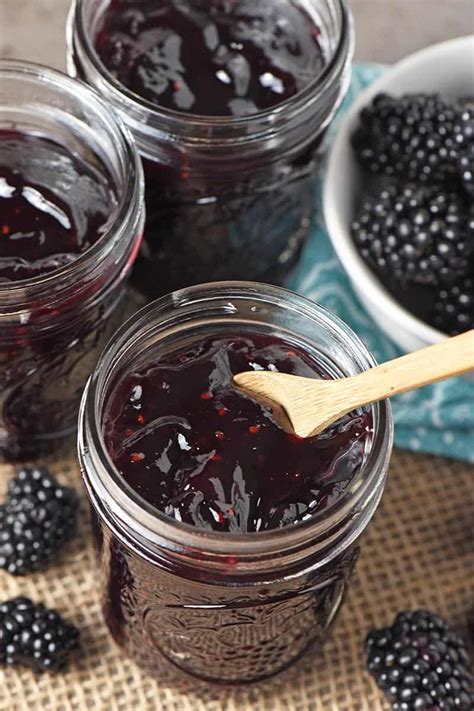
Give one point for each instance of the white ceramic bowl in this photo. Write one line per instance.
(446, 68)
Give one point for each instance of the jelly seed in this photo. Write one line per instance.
(291, 354)
(128, 433)
(141, 420)
(254, 429)
(137, 457)
(219, 435)
(185, 174)
(206, 396)
(176, 86)
(231, 559)
(222, 412)
(220, 518)
(5, 229)
(216, 458)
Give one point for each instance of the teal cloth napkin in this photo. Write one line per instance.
(438, 419)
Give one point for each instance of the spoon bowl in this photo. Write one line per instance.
(311, 405)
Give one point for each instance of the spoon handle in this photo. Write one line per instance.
(453, 356)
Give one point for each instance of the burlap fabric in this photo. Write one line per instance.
(417, 552)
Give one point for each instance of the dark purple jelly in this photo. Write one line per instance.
(219, 206)
(247, 225)
(53, 206)
(207, 454)
(210, 57)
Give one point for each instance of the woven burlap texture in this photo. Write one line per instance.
(417, 552)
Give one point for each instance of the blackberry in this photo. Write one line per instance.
(466, 171)
(37, 517)
(34, 636)
(418, 136)
(466, 143)
(421, 664)
(454, 307)
(416, 235)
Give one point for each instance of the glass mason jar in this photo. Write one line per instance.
(226, 198)
(53, 326)
(224, 607)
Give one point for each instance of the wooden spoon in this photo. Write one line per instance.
(312, 405)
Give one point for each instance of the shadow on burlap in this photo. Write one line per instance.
(417, 552)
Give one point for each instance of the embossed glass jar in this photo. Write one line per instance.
(227, 198)
(53, 326)
(225, 607)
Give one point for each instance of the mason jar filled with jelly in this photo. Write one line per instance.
(71, 222)
(226, 543)
(229, 102)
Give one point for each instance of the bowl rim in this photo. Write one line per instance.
(338, 230)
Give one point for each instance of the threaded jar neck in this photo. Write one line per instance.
(285, 127)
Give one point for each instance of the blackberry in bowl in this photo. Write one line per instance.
(454, 306)
(422, 138)
(416, 235)
(400, 268)
(420, 241)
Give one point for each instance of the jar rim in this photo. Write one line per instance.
(92, 444)
(131, 100)
(134, 182)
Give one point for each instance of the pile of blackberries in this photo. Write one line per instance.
(421, 664)
(37, 517)
(415, 228)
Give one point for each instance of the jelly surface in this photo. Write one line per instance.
(53, 206)
(207, 454)
(211, 57)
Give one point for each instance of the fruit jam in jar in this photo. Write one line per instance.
(229, 102)
(225, 543)
(71, 220)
